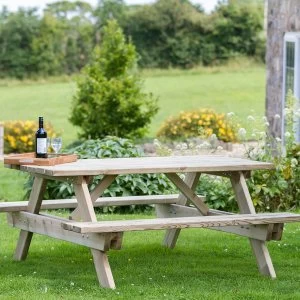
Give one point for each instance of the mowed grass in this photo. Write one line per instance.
(241, 90)
(204, 265)
(11, 184)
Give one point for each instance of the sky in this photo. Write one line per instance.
(14, 4)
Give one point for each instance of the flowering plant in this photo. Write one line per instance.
(279, 188)
(203, 122)
(19, 135)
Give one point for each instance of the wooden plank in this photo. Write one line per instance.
(188, 222)
(34, 204)
(52, 227)
(100, 202)
(246, 206)
(138, 165)
(171, 236)
(97, 192)
(100, 258)
(260, 232)
(188, 193)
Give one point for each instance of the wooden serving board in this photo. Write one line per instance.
(30, 159)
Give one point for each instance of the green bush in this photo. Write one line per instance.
(124, 185)
(202, 122)
(270, 190)
(278, 189)
(218, 192)
(109, 100)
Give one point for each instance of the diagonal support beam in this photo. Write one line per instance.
(97, 192)
(171, 236)
(188, 193)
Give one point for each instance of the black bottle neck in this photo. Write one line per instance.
(41, 123)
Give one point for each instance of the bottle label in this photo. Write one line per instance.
(41, 145)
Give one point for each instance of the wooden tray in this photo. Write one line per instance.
(30, 159)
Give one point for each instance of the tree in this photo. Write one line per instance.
(109, 100)
(237, 29)
(47, 47)
(169, 33)
(16, 35)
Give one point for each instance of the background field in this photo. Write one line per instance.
(241, 90)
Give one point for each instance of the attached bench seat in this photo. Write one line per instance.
(187, 222)
(100, 202)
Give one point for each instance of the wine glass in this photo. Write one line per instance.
(48, 143)
(56, 144)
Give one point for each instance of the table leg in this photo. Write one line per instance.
(246, 206)
(34, 205)
(86, 209)
(172, 235)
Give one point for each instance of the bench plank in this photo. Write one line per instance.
(264, 232)
(103, 201)
(194, 222)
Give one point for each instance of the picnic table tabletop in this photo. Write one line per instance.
(134, 165)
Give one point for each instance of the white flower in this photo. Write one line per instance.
(242, 132)
(184, 146)
(250, 118)
(213, 137)
(278, 139)
(265, 176)
(294, 162)
(277, 117)
(206, 145)
(156, 142)
(230, 114)
(287, 134)
(264, 119)
(267, 124)
(219, 148)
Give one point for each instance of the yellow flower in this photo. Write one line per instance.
(24, 138)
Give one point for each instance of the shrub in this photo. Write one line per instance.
(19, 136)
(218, 192)
(124, 185)
(203, 122)
(277, 189)
(109, 100)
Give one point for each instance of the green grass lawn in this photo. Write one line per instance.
(11, 184)
(227, 89)
(204, 265)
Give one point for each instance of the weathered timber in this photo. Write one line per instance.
(100, 202)
(188, 222)
(52, 226)
(259, 232)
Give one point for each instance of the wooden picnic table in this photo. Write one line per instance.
(174, 212)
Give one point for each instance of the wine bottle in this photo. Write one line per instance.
(41, 140)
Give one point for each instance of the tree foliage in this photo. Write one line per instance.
(109, 100)
(167, 33)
